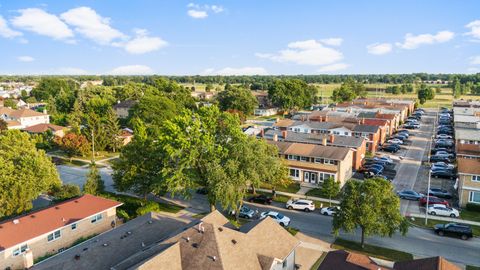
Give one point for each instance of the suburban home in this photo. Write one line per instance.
(126, 136)
(203, 95)
(25, 238)
(382, 124)
(432, 263)
(122, 108)
(467, 143)
(58, 131)
(23, 118)
(262, 99)
(265, 111)
(356, 144)
(468, 181)
(311, 164)
(156, 241)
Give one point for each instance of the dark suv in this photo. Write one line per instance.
(454, 229)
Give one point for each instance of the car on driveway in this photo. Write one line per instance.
(441, 193)
(245, 212)
(260, 199)
(300, 204)
(442, 210)
(278, 217)
(392, 148)
(433, 200)
(446, 174)
(463, 231)
(329, 211)
(444, 136)
(395, 141)
(410, 195)
(385, 159)
(442, 166)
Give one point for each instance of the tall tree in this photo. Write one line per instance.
(75, 117)
(425, 93)
(74, 144)
(349, 90)
(291, 94)
(94, 184)
(237, 98)
(24, 174)
(112, 130)
(330, 188)
(372, 206)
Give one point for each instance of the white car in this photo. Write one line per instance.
(387, 159)
(442, 165)
(395, 141)
(444, 136)
(442, 210)
(278, 217)
(329, 211)
(300, 204)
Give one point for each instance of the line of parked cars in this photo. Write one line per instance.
(443, 153)
(399, 138)
(376, 167)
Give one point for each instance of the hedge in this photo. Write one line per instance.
(473, 207)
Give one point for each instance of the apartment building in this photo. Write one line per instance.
(312, 164)
(122, 108)
(467, 132)
(468, 181)
(24, 239)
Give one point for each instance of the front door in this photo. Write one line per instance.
(306, 177)
(313, 178)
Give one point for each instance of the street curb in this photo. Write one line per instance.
(426, 228)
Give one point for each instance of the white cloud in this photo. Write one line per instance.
(197, 14)
(39, 21)
(332, 41)
(91, 25)
(307, 52)
(473, 70)
(475, 60)
(236, 71)
(71, 71)
(379, 48)
(474, 29)
(216, 9)
(6, 31)
(132, 70)
(143, 43)
(412, 42)
(333, 68)
(25, 58)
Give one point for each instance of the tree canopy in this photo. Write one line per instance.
(237, 98)
(348, 91)
(425, 93)
(289, 94)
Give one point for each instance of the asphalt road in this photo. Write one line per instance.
(420, 242)
(77, 175)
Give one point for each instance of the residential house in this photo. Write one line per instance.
(467, 132)
(154, 241)
(432, 263)
(203, 95)
(356, 144)
(24, 239)
(122, 108)
(468, 185)
(312, 164)
(265, 111)
(56, 130)
(382, 124)
(262, 99)
(126, 136)
(23, 118)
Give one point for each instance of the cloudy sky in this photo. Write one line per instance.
(239, 37)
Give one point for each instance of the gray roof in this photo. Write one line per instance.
(367, 115)
(365, 128)
(323, 125)
(467, 134)
(338, 140)
(466, 119)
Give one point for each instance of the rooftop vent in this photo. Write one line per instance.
(220, 229)
(16, 221)
(56, 207)
(234, 241)
(32, 216)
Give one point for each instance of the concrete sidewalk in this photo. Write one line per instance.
(449, 219)
(301, 196)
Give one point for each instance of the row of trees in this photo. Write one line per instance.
(400, 89)
(425, 93)
(349, 90)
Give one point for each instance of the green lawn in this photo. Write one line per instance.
(315, 192)
(431, 222)
(374, 251)
(293, 187)
(470, 215)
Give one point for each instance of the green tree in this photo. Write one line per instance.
(24, 174)
(237, 98)
(112, 130)
(349, 90)
(66, 191)
(94, 184)
(3, 125)
(74, 144)
(75, 117)
(330, 188)
(10, 103)
(425, 93)
(95, 130)
(289, 94)
(372, 206)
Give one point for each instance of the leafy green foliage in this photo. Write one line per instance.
(66, 191)
(330, 188)
(10, 103)
(73, 144)
(237, 98)
(25, 172)
(348, 91)
(94, 184)
(291, 94)
(372, 206)
(425, 93)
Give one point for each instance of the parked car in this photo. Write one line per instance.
(375, 162)
(395, 141)
(400, 136)
(463, 231)
(448, 150)
(260, 199)
(300, 204)
(444, 154)
(433, 200)
(444, 136)
(442, 166)
(403, 133)
(444, 131)
(329, 211)
(390, 148)
(411, 126)
(278, 217)
(443, 145)
(386, 159)
(410, 195)
(245, 212)
(444, 141)
(446, 174)
(442, 210)
(436, 158)
(374, 171)
(439, 192)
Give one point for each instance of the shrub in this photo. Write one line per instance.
(473, 207)
(123, 215)
(147, 208)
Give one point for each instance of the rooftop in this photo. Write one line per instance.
(467, 134)
(40, 128)
(338, 140)
(311, 150)
(466, 118)
(25, 113)
(38, 223)
(344, 260)
(433, 263)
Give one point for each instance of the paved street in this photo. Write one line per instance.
(77, 175)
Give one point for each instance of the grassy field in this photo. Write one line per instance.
(370, 250)
(431, 222)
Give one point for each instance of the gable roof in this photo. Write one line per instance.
(312, 138)
(52, 218)
(25, 113)
(311, 150)
(433, 263)
(366, 128)
(344, 260)
(40, 128)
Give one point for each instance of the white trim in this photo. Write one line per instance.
(470, 188)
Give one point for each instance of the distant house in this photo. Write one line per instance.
(58, 131)
(122, 108)
(126, 136)
(23, 118)
(26, 238)
(265, 111)
(203, 95)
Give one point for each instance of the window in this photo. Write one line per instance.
(294, 173)
(318, 160)
(54, 236)
(474, 197)
(329, 161)
(290, 157)
(304, 158)
(20, 250)
(74, 226)
(96, 218)
(476, 178)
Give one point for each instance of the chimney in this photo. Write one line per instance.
(284, 134)
(331, 138)
(275, 137)
(324, 140)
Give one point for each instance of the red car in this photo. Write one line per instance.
(433, 200)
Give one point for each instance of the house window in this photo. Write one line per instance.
(474, 197)
(54, 236)
(96, 218)
(329, 161)
(318, 160)
(476, 178)
(20, 250)
(290, 157)
(74, 226)
(346, 133)
(304, 158)
(294, 173)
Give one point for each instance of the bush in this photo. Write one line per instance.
(147, 208)
(123, 215)
(473, 207)
(65, 192)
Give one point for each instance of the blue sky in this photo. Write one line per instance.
(239, 37)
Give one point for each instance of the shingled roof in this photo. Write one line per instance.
(311, 150)
(433, 263)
